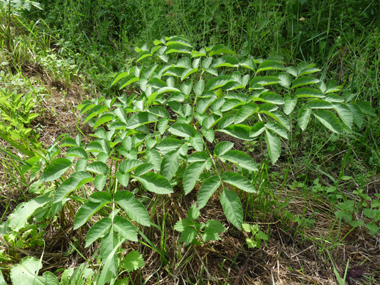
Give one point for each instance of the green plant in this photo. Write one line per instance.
(164, 133)
(190, 229)
(257, 235)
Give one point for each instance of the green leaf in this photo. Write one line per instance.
(188, 72)
(329, 120)
(240, 158)
(162, 124)
(270, 65)
(94, 147)
(86, 211)
(181, 225)
(197, 142)
(103, 119)
(26, 273)
(23, 211)
(366, 108)
(170, 164)
(178, 48)
(110, 245)
(290, 104)
(237, 131)
(278, 129)
(344, 114)
(272, 97)
(143, 168)
(132, 207)
(67, 141)
(100, 181)
(191, 175)
(76, 180)
(155, 183)
(167, 145)
(143, 54)
(218, 82)
(247, 63)
(308, 93)
(226, 61)
(133, 261)
(259, 81)
(199, 87)
(221, 49)
(122, 178)
(154, 158)
(246, 111)
(285, 80)
(301, 81)
(212, 230)
(304, 117)
(238, 181)
(182, 130)
(98, 167)
(118, 77)
(125, 228)
(193, 212)
(232, 207)
(204, 104)
(222, 148)
(98, 230)
(188, 235)
(128, 81)
(129, 165)
(55, 169)
(178, 40)
(98, 109)
(207, 189)
(358, 115)
(320, 104)
(208, 134)
(273, 145)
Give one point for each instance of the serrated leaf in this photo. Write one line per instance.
(100, 181)
(73, 182)
(304, 117)
(207, 189)
(212, 230)
(306, 92)
(301, 81)
(344, 114)
(285, 80)
(272, 97)
(182, 130)
(19, 217)
(98, 167)
(240, 158)
(122, 178)
(278, 129)
(86, 211)
(273, 145)
(357, 113)
(193, 212)
(237, 131)
(132, 207)
(259, 81)
(221, 49)
(218, 82)
(222, 148)
(208, 134)
(329, 120)
(103, 119)
(143, 54)
(238, 181)
(98, 230)
(133, 261)
(320, 104)
(188, 235)
(55, 169)
(155, 183)
(270, 65)
(366, 108)
(188, 72)
(170, 164)
(197, 142)
(257, 129)
(191, 175)
(143, 168)
(290, 104)
(125, 228)
(247, 63)
(129, 165)
(246, 111)
(232, 207)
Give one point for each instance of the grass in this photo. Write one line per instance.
(76, 59)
